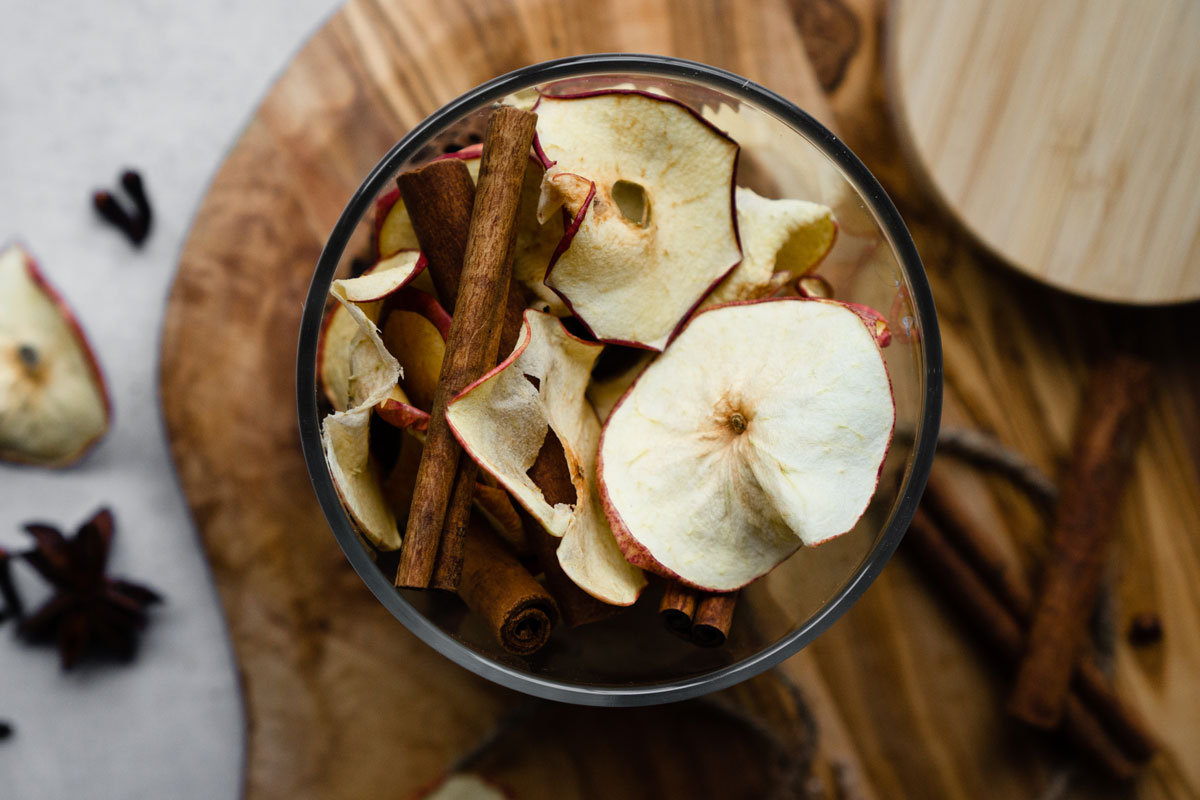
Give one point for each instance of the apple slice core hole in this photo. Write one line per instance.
(632, 202)
(29, 357)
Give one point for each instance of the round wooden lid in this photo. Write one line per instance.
(1063, 135)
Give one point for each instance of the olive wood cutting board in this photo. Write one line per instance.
(894, 701)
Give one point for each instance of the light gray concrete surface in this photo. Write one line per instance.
(85, 90)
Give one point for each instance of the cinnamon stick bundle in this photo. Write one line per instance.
(704, 618)
(471, 348)
(519, 612)
(950, 514)
(1106, 435)
(1109, 733)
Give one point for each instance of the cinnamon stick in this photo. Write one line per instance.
(473, 342)
(678, 607)
(439, 198)
(948, 511)
(519, 612)
(999, 626)
(1107, 433)
(714, 616)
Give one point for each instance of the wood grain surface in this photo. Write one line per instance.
(1062, 134)
(343, 702)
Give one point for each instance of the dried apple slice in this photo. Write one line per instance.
(393, 229)
(761, 428)
(388, 275)
(53, 400)
(648, 186)
(345, 436)
(341, 328)
(502, 420)
(788, 236)
(372, 378)
(415, 331)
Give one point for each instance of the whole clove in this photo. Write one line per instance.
(134, 224)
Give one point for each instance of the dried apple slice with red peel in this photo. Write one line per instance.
(788, 236)
(762, 427)
(389, 275)
(341, 327)
(415, 331)
(876, 323)
(399, 413)
(345, 437)
(633, 281)
(393, 229)
(53, 400)
(502, 420)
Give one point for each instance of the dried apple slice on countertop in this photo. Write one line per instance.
(502, 421)
(778, 236)
(648, 187)
(761, 428)
(54, 403)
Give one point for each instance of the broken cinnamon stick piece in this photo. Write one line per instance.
(439, 197)
(519, 612)
(677, 608)
(714, 617)
(1106, 436)
(472, 345)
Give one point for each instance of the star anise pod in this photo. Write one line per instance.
(89, 610)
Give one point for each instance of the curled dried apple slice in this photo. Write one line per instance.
(345, 436)
(502, 420)
(389, 275)
(788, 236)
(648, 186)
(341, 327)
(761, 428)
(371, 379)
(393, 229)
(53, 401)
(415, 331)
